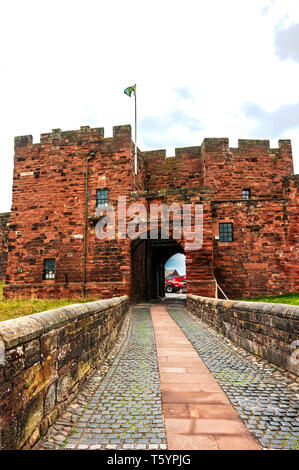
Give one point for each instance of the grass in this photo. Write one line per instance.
(292, 299)
(14, 308)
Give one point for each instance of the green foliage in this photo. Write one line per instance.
(292, 299)
(14, 308)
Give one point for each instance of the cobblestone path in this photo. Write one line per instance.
(124, 412)
(120, 406)
(261, 395)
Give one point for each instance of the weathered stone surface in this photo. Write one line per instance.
(68, 377)
(32, 352)
(48, 343)
(34, 438)
(4, 231)
(52, 318)
(14, 361)
(29, 419)
(50, 398)
(266, 330)
(27, 385)
(52, 416)
(46, 366)
(20, 330)
(5, 388)
(8, 433)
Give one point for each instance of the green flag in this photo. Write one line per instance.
(128, 91)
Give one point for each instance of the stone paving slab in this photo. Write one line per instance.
(265, 399)
(185, 386)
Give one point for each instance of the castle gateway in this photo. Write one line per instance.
(249, 197)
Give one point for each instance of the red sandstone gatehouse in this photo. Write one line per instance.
(250, 210)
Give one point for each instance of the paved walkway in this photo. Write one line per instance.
(197, 413)
(161, 392)
(124, 409)
(265, 399)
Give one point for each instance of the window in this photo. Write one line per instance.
(102, 197)
(226, 232)
(245, 194)
(49, 269)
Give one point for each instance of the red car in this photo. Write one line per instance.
(175, 284)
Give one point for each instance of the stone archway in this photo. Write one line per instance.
(148, 258)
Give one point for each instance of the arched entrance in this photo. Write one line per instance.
(148, 258)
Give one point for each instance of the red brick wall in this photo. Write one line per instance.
(251, 165)
(4, 229)
(183, 171)
(251, 264)
(49, 204)
(48, 212)
(289, 262)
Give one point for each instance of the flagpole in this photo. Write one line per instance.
(135, 132)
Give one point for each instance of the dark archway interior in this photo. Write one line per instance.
(148, 258)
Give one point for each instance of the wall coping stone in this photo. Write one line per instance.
(52, 319)
(280, 310)
(22, 329)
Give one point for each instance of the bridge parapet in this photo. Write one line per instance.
(45, 358)
(265, 329)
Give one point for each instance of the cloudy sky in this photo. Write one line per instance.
(177, 262)
(203, 68)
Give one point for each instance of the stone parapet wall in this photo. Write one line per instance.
(45, 358)
(268, 330)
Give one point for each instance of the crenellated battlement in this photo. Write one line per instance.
(87, 133)
(211, 144)
(23, 140)
(213, 163)
(84, 134)
(179, 151)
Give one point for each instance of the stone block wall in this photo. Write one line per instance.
(52, 173)
(48, 357)
(267, 330)
(184, 170)
(253, 164)
(4, 229)
(254, 263)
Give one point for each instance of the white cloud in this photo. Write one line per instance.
(66, 63)
(287, 43)
(177, 262)
(272, 124)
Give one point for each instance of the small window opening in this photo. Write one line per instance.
(102, 197)
(49, 269)
(245, 194)
(226, 232)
